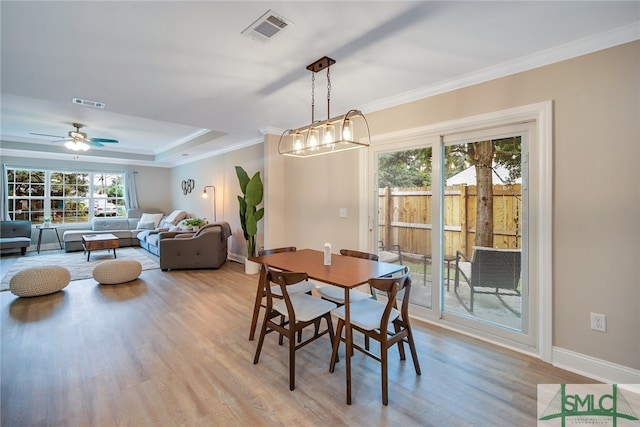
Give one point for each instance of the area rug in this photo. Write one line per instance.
(76, 262)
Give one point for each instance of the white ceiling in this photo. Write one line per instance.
(180, 81)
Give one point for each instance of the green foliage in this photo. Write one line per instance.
(253, 191)
(194, 222)
(411, 168)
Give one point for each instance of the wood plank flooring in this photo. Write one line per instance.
(171, 349)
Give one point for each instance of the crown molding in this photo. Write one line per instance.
(616, 37)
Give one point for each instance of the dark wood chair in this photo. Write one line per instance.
(299, 310)
(489, 271)
(305, 287)
(372, 318)
(336, 293)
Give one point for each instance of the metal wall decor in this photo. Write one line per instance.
(188, 185)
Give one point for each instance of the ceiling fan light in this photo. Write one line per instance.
(76, 145)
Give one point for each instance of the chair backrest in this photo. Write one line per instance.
(283, 279)
(392, 286)
(496, 268)
(263, 251)
(358, 254)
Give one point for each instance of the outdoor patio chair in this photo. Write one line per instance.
(300, 310)
(389, 253)
(489, 271)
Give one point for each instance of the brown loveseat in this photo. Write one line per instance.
(207, 248)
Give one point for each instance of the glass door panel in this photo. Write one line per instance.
(483, 232)
(404, 215)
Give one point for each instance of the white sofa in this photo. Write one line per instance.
(126, 229)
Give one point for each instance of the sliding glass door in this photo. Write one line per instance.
(455, 204)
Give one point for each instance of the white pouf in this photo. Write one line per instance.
(36, 281)
(114, 271)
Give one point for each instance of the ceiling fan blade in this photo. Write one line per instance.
(94, 143)
(45, 134)
(105, 140)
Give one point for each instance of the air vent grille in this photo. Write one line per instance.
(266, 27)
(87, 103)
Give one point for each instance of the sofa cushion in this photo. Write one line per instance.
(110, 224)
(175, 217)
(151, 217)
(146, 225)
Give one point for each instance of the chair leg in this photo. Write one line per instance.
(281, 337)
(336, 345)
(384, 372)
(292, 359)
(263, 332)
(414, 353)
(331, 334)
(256, 313)
(396, 328)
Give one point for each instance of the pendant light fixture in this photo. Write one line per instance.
(332, 135)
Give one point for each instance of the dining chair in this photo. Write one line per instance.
(299, 310)
(336, 293)
(303, 287)
(372, 318)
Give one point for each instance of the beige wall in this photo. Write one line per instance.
(220, 172)
(596, 211)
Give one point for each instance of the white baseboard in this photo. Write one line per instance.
(600, 370)
(237, 258)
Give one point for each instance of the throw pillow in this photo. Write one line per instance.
(176, 216)
(149, 217)
(150, 225)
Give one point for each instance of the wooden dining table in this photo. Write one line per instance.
(345, 272)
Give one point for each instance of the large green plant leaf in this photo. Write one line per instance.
(254, 191)
(243, 179)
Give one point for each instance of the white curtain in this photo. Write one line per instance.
(131, 197)
(4, 195)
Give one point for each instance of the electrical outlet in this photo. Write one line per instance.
(598, 322)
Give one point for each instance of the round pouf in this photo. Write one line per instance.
(36, 281)
(114, 271)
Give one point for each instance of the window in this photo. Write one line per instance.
(65, 197)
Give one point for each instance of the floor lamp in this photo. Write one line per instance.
(204, 195)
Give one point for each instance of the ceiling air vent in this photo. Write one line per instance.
(266, 27)
(86, 103)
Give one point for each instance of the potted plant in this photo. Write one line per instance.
(194, 223)
(252, 190)
(47, 221)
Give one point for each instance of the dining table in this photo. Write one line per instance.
(344, 271)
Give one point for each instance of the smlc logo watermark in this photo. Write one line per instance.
(588, 405)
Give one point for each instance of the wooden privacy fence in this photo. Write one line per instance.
(405, 218)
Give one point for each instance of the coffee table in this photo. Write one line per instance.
(94, 242)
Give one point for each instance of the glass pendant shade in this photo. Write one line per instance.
(314, 138)
(298, 142)
(347, 130)
(329, 134)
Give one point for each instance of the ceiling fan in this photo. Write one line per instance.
(78, 141)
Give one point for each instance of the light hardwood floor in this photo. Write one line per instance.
(171, 349)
